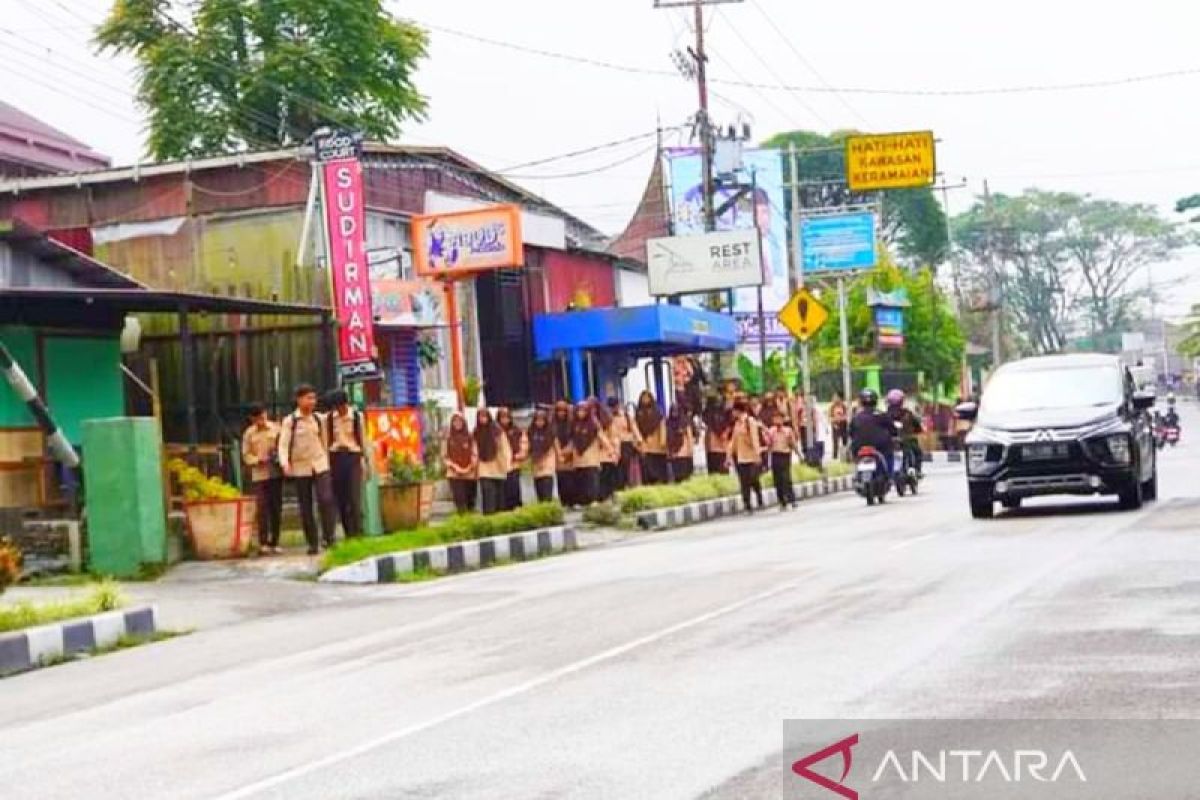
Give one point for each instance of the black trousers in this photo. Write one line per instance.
(566, 487)
(544, 488)
(320, 489)
(841, 438)
(625, 465)
(781, 472)
(268, 496)
(347, 490)
(654, 468)
(716, 463)
(610, 480)
(682, 469)
(491, 491)
(512, 490)
(748, 479)
(463, 492)
(587, 485)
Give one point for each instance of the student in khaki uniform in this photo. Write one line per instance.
(304, 457)
(519, 446)
(839, 423)
(612, 454)
(681, 444)
(542, 459)
(462, 464)
(495, 461)
(717, 422)
(653, 431)
(783, 444)
(260, 444)
(746, 447)
(563, 454)
(589, 444)
(625, 438)
(344, 432)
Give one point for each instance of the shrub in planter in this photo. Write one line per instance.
(220, 520)
(10, 564)
(406, 493)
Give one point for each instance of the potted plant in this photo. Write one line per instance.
(472, 389)
(221, 521)
(10, 564)
(406, 493)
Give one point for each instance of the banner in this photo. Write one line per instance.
(393, 431)
(687, 214)
(703, 262)
(409, 304)
(345, 224)
(462, 243)
(837, 242)
(890, 161)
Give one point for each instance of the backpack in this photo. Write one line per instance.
(356, 416)
(293, 418)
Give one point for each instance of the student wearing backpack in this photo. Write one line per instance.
(344, 432)
(746, 447)
(260, 452)
(304, 457)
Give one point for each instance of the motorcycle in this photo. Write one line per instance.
(907, 476)
(870, 476)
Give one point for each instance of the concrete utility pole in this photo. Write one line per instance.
(993, 273)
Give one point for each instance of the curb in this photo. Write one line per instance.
(678, 516)
(943, 457)
(457, 557)
(32, 648)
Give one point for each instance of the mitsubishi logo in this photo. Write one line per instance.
(1043, 436)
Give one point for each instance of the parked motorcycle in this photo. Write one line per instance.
(871, 476)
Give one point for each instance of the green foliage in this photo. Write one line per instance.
(104, 596)
(10, 564)
(603, 514)
(693, 490)
(196, 486)
(913, 220)
(429, 353)
(472, 387)
(459, 528)
(752, 375)
(403, 470)
(219, 76)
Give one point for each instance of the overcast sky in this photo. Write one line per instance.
(503, 107)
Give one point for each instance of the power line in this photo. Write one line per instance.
(587, 150)
(862, 90)
(582, 173)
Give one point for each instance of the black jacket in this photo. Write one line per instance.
(871, 428)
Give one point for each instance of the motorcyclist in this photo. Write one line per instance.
(1171, 417)
(907, 425)
(871, 428)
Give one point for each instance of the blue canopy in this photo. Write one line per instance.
(641, 332)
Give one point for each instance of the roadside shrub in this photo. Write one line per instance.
(10, 564)
(605, 514)
(104, 596)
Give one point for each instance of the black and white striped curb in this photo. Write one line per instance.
(944, 457)
(35, 647)
(677, 516)
(457, 557)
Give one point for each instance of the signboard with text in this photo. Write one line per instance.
(704, 262)
(890, 161)
(837, 243)
(462, 243)
(889, 326)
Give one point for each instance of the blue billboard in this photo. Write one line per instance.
(837, 242)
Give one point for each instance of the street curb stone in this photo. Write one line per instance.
(24, 650)
(679, 516)
(457, 557)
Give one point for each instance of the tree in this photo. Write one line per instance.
(913, 221)
(243, 74)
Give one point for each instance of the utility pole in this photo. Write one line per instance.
(995, 301)
(796, 279)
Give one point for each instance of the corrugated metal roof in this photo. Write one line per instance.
(27, 141)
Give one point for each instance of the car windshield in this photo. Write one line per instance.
(1030, 390)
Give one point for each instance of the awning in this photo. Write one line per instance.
(640, 332)
(35, 305)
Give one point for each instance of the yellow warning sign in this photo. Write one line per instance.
(890, 161)
(804, 315)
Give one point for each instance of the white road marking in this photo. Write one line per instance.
(308, 768)
(914, 540)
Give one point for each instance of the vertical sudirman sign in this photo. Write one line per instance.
(345, 225)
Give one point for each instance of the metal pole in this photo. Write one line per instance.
(845, 333)
(762, 317)
(189, 375)
(456, 354)
(994, 274)
(797, 280)
(705, 137)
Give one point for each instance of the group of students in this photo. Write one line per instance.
(324, 457)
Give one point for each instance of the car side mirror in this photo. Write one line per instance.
(1143, 401)
(967, 411)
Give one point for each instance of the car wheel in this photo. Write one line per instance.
(901, 486)
(1130, 497)
(1150, 487)
(1011, 503)
(982, 506)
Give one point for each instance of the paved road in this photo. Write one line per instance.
(659, 667)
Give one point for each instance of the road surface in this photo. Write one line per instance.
(661, 667)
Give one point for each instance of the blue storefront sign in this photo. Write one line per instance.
(837, 242)
(889, 326)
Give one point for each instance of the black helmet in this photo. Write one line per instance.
(868, 397)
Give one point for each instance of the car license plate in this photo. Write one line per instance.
(1044, 452)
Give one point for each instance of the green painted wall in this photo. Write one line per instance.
(21, 342)
(83, 381)
(122, 476)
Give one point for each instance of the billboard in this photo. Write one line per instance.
(345, 225)
(408, 304)
(890, 161)
(461, 243)
(687, 215)
(703, 262)
(889, 325)
(837, 242)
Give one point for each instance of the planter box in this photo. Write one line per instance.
(404, 507)
(221, 528)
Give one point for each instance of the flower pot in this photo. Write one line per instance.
(404, 507)
(221, 528)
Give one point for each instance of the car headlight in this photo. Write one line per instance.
(1118, 448)
(982, 458)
